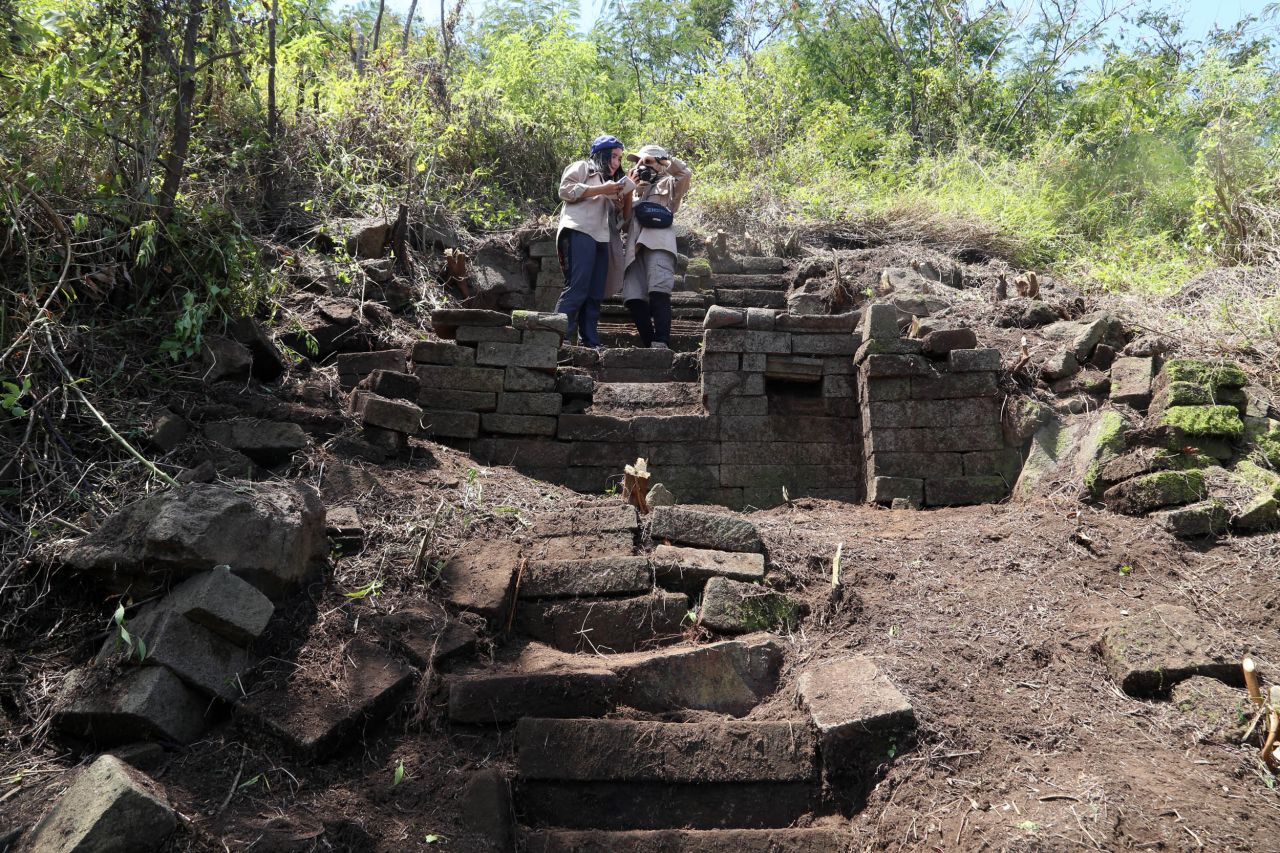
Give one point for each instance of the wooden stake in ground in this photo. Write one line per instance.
(635, 485)
(1251, 680)
(1273, 727)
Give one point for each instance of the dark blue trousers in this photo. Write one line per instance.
(586, 269)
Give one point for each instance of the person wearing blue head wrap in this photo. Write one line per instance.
(597, 199)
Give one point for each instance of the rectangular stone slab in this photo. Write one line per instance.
(687, 569)
(368, 684)
(445, 424)
(223, 603)
(443, 352)
(646, 751)
(582, 545)
(605, 624)
(462, 401)
(1147, 653)
(516, 355)
(702, 529)
(729, 677)
(935, 414)
(141, 703)
(506, 697)
(197, 655)
(397, 415)
(599, 576)
(587, 519)
(477, 334)
(860, 716)
(808, 840)
(108, 803)
(530, 403)
(459, 378)
(886, 440)
(468, 317)
(505, 424)
(663, 805)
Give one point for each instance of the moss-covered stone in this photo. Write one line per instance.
(1144, 460)
(1050, 444)
(1209, 374)
(1256, 477)
(698, 268)
(1259, 513)
(1211, 711)
(1211, 421)
(1152, 491)
(1105, 442)
(733, 607)
(1095, 382)
(1022, 418)
(1148, 653)
(1186, 394)
(1195, 521)
(1263, 436)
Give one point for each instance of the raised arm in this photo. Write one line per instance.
(683, 175)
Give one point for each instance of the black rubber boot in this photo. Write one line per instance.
(660, 311)
(641, 316)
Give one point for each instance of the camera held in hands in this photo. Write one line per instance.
(647, 173)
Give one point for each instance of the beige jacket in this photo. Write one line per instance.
(590, 215)
(668, 191)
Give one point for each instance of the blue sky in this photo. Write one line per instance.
(1199, 17)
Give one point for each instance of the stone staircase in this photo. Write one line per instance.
(756, 282)
(629, 732)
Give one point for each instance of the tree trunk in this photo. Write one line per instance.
(400, 242)
(273, 110)
(176, 160)
(141, 160)
(273, 115)
(408, 26)
(377, 24)
(206, 97)
(234, 41)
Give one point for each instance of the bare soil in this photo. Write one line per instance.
(984, 616)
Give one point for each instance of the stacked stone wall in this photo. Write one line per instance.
(931, 416)
(787, 405)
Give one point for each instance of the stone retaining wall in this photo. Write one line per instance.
(931, 417)
(790, 406)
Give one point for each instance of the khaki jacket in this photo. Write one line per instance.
(590, 215)
(668, 191)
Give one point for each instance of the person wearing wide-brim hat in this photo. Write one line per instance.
(650, 259)
(596, 201)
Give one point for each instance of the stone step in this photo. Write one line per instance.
(592, 577)
(665, 805)
(748, 281)
(605, 624)
(688, 569)
(728, 677)
(686, 335)
(644, 397)
(762, 264)
(504, 697)
(813, 840)
(587, 750)
(679, 299)
(751, 298)
(620, 313)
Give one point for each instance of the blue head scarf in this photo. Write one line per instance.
(601, 147)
